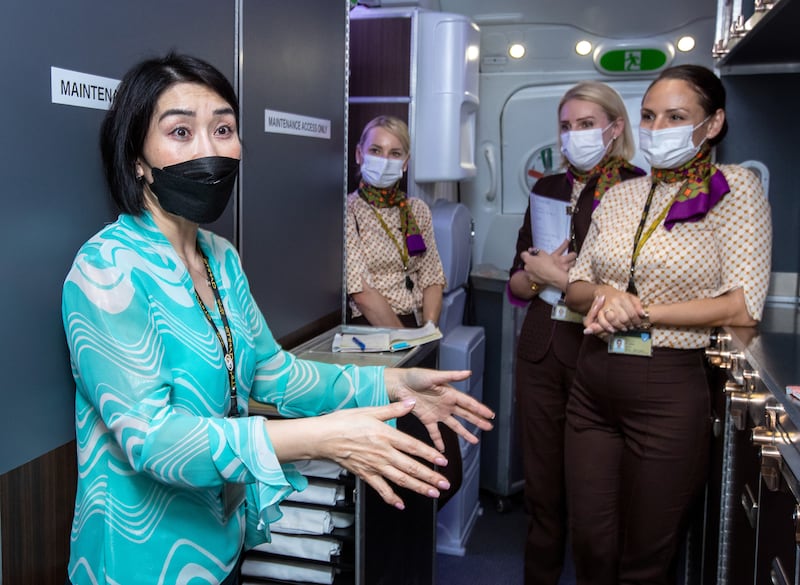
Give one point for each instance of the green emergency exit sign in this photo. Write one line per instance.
(631, 60)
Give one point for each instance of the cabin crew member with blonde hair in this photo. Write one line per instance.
(394, 273)
(596, 141)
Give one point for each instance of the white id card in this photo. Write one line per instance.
(631, 343)
(561, 312)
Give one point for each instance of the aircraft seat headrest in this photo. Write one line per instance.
(452, 227)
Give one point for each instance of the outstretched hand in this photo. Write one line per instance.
(358, 440)
(437, 401)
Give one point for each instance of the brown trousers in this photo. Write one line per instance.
(541, 391)
(636, 444)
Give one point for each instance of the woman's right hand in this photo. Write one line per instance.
(549, 269)
(359, 440)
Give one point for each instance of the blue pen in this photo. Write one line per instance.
(399, 345)
(359, 343)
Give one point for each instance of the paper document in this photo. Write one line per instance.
(363, 339)
(550, 222)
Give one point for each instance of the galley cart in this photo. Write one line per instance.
(381, 544)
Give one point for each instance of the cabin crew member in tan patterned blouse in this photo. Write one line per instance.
(394, 274)
(667, 258)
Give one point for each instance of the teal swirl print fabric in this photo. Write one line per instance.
(154, 445)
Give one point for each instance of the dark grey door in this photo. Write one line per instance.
(292, 183)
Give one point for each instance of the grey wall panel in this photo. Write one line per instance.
(53, 192)
(763, 126)
(293, 186)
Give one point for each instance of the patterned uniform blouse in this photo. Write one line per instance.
(154, 446)
(729, 248)
(371, 253)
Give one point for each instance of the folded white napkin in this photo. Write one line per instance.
(342, 519)
(313, 548)
(302, 520)
(320, 468)
(287, 570)
(319, 492)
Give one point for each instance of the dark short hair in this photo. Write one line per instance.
(706, 85)
(125, 126)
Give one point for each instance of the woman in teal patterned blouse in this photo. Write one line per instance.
(167, 347)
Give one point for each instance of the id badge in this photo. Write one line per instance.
(233, 495)
(631, 343)
(561, 312)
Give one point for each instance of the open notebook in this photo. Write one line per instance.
(357, 338)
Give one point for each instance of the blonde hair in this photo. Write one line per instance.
(611, 102)
(394, 126)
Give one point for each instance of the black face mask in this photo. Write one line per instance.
(197, 190)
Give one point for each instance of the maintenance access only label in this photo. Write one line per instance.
(286, 123)
(73, 88)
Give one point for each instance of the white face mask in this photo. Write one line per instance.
(584, 148)
(381, 172)
(669, 148)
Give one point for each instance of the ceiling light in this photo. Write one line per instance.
(583, 47)
(516, 51)
(686, 43)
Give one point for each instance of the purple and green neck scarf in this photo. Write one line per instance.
(393, 197)
(607, 172)
(704, 186)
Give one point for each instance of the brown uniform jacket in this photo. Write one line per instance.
(539, 332)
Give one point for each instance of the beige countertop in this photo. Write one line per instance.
(318, 349)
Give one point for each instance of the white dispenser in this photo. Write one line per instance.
(443, 135)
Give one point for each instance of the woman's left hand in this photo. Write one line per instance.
(619, 311)
(437, 401)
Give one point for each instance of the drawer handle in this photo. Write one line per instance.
(750, 506)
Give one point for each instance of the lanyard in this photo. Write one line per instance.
(227, 351)
(643, 235)
(403, 250)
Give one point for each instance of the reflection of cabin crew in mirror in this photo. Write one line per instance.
(596, 141)
(667, 258)
(168, 346)
(394, 275)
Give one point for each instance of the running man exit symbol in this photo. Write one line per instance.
(633, 60)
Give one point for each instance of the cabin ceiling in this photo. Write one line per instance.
(606, 18)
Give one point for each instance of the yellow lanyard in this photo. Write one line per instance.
(228, 353)
(643, 235)
(403, 250)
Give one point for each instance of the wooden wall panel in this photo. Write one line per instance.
(380, 57)
(36, 505)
